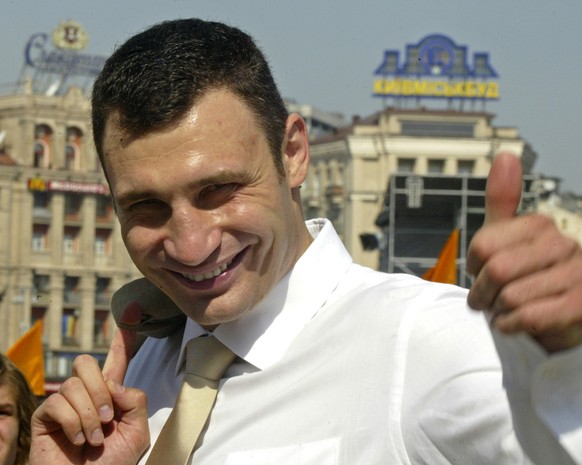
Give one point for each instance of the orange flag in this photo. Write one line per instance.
(27, 355)
(445, 269)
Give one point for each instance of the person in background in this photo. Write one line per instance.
(17, 404)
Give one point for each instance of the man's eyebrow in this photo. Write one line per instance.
(11, 406)
(223, 176)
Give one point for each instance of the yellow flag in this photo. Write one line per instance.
(27, 355)
(445, 269)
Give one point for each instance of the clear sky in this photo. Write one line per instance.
(324, 52)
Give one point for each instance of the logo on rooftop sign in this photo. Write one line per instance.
(70, 35)
(436, 67)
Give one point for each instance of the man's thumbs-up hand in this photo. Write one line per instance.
(526, 272)
(503, 189)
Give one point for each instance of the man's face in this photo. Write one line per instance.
(8, 426)
(203, 212)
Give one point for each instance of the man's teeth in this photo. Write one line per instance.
(208, 275)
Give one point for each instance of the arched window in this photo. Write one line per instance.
(43, 136)
(73, 149)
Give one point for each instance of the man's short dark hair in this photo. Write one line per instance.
(156, 76)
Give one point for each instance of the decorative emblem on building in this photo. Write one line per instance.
(36, 184)
(436, 55)
(70, 35)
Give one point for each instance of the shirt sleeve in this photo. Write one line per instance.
(455, 406)
(548, 387)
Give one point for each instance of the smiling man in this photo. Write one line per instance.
(204, 213)
(336, 364)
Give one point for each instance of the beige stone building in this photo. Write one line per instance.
(61, 253)
(351, 169)
(565, 210)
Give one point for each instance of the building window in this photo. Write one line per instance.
(101, 324)
(437, 129)
(40, 150)
(102, 243)
(70, 155)
(71, 294)
(73, 149)
(436, 166)
(406, 165)
(104, 209)
(71, 240)
(73, 206)
(41, 205)
(36, 314)
(43, 138)
(39, 237)
(64, 365)
(465, 166)
(100, 246)
(40, 284)
(41, 199)
(103, 292)
(101, 330)
(69, 326)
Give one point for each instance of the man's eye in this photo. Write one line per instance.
(222, 188)
(146, 203)
(143, 209)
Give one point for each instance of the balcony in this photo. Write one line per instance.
(103, 299)
(72, 297)
(41, 214)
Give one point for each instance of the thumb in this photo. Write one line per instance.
(503, 191)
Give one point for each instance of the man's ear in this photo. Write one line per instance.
(296, 150)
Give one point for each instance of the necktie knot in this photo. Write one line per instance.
(207, 357)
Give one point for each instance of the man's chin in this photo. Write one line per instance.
(210, 319)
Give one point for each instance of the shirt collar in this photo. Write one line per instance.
(262, 336)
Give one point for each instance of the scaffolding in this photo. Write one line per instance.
(420, 212)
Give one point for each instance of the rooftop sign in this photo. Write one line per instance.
(63, 57)
(436, 67)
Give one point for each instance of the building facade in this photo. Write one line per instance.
(351, 170)
(61, 253)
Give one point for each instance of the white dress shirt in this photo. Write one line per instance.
(343, 365)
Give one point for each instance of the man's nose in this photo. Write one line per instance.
(192, 235)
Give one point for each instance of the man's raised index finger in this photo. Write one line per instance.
(119, 355)
(504, 185)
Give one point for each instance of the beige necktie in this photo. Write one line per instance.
(206, 361)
